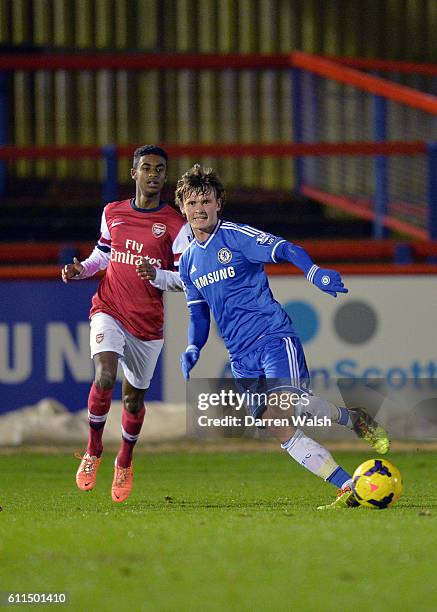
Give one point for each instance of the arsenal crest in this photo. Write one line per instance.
(158, 229)
(99, 338)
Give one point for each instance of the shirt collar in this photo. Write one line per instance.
(147, 210)
(203, 245)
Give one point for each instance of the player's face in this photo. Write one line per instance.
(150, 174)
(201, 210)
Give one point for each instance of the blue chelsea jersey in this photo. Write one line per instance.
(227, 272)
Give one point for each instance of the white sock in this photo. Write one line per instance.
(344, 417)
(315, 458)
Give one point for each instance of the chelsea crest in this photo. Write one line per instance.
(224, 256)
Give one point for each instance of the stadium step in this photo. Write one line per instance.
(71, 211)
(296, 219)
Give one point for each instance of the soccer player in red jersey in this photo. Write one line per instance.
(140, 244)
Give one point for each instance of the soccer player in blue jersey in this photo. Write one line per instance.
(223, 272)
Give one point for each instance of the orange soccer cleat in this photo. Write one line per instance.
(122, 483)
(87, 472)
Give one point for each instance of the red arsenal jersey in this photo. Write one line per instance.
(130, 233)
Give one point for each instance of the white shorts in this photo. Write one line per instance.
(137, 357)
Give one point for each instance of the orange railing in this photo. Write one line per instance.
(31, 261)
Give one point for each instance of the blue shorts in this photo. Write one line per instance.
(278, 364)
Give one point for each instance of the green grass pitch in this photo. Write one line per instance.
(216, 531)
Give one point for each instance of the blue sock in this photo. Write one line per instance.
(344, 417)
(339, 477)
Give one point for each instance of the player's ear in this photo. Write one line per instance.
(182, 209)
(133, 173)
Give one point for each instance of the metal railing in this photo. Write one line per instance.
(378, 147)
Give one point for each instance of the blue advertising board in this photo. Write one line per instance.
(44, 344)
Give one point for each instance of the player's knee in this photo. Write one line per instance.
(309, 405)
(133, 403)
(105, 379)
(300, 408)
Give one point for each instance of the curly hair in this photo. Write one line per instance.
(198, 179)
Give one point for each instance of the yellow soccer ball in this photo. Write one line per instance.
(377, 483)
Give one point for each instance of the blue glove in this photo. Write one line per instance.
(326, 280)
(189, 360)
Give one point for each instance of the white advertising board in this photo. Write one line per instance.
(385, 327)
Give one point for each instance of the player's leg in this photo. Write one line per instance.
(285, 357)
(286, 373)
(132, 419)
(356, 419)
(99, 400)
(106, 343)
(99, 403)
(273, 366)
(138, 363)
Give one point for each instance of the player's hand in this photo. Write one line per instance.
(329, 281)
(189, 360)
(146, 271)
(69, 271)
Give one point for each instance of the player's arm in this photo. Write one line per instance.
(326, 280)
(98, 260)
(166, 280)
(198, 327)
(73, 270)
(264, 248)
(198, 331)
